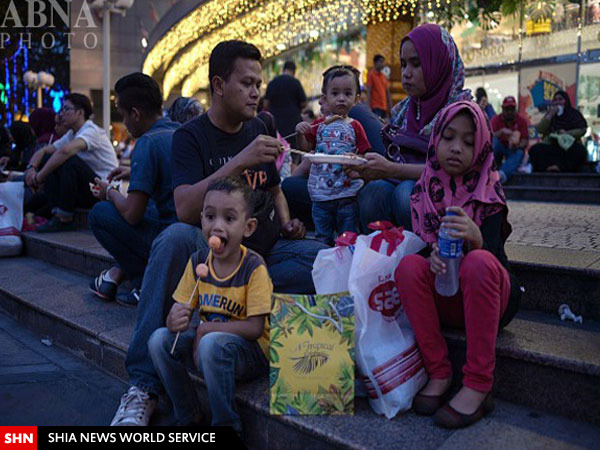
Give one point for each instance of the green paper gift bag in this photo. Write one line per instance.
(312, 354)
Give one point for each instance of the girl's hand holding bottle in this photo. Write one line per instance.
(463, 227)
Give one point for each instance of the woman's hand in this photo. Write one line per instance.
(552, 111)
(463, 227)
(436, 265)
(376, 168)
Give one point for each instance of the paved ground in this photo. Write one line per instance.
(46, 385)
(555, 233)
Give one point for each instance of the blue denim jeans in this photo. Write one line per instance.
(298, 198)
(384, 200)
(128, 244)
(334, 217)
(222, 358)
(512, 157)
(289, 264)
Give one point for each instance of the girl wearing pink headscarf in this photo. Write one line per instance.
(433, 77)
(460, 176)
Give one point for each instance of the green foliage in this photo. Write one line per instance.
(306, 403)
(279, 398)
(273, 376)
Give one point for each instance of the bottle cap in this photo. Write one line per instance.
(451, 213)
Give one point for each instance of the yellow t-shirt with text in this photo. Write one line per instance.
(246, 292)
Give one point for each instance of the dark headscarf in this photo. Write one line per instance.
(24, 143)
(42, 122)
(571, 118)
(184, 109)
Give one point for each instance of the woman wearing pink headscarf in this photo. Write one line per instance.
(459, 176)
(433, 77)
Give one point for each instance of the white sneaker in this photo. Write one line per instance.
(135, 409)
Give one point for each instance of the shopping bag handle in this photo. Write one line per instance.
(346, 239)
(393, 236)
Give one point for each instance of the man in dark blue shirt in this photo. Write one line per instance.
(127, 225)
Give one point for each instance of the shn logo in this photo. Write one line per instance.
(18, 438)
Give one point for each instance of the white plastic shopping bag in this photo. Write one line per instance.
(332, 265)
(386, 351)
(11, 217)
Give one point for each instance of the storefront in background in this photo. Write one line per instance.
(558, 49)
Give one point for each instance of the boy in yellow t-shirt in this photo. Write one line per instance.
(234, 299)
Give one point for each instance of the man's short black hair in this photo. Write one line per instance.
(234, 184)
(289, 65)
(340, 71)
(80, 101)
(223, 57)
(377, 58)
(138, 90)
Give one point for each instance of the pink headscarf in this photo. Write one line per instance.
(444, 76)
(478, 191)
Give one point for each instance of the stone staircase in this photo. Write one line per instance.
(547, 372)
(555, 187)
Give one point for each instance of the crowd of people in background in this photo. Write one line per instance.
(433, 150)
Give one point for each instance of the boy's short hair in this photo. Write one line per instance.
(224, 55)
(340, 71)
(80, 101)
(140, 91)
(377, 58)
(234, 184)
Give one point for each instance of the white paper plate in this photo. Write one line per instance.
(342, 160)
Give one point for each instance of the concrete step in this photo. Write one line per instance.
(541, 363)
(546, 286)
(549, 179)
(553, 194)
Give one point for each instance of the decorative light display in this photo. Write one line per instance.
(274, 26)
(57, 97)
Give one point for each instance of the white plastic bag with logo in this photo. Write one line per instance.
(332, 266)
(11, 217)
(386, 351)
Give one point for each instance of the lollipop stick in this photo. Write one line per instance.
(189, 302)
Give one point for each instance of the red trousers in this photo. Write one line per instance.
(477, 307)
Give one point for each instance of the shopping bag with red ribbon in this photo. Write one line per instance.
(386, 351)
(332, 265)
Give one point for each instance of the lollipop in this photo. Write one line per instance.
(202, 270)
(214, 242)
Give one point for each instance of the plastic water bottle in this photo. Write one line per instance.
(451, 254)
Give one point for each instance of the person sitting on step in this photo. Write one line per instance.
(232, 340)
(127, 225)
